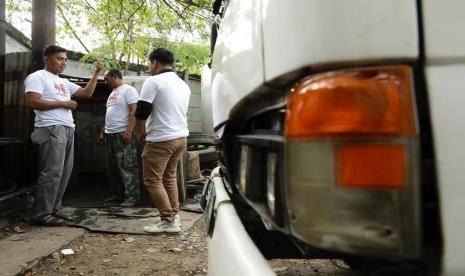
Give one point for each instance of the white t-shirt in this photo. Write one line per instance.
(52, 88)
(116, 119)
(169, 96)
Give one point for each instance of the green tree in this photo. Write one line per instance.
(127, 30)
(126, 26)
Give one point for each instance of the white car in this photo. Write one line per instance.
(341, 132)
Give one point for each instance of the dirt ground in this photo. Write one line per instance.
(184, 254)
(106, 254)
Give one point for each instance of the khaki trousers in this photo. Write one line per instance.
(160, 160)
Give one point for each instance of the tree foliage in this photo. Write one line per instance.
(127, 30)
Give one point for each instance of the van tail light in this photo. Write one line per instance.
(352, 161)
(371, 104)
(353, 103)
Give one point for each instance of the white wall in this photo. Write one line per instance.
(194, 114)
(84, 70)
(12, 46)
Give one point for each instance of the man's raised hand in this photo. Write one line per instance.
(99, 65)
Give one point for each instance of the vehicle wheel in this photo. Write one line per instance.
(199, 141)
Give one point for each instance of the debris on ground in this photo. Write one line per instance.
(67, 252)
(175, 249)
(128, 239)
(18, 229)
(280, 269)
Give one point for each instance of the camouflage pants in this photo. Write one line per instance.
(122, 167)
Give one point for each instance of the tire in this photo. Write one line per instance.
(199, 141)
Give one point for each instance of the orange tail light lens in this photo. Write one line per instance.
(371, 166)
(364, 102)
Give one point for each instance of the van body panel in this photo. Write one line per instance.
(255, 44)
(446, 95)
(445, 71)
(324, 32)
(443, 22)
(238, 53)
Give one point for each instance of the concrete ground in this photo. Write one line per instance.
(23, 248)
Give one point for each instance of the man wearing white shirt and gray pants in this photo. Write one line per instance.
(163, 102)
(50, 97)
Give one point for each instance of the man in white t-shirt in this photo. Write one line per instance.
(120, 147)
(162, 109)
(50, 97)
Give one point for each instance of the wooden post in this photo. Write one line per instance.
(182, 165)
(181, 180)
(2, 63)
(43, 30)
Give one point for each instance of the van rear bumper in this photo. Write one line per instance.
(231, 251)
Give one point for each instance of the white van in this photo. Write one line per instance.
(341, 132)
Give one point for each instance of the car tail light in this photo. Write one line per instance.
(351, 158)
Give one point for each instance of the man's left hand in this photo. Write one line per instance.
(127, 136)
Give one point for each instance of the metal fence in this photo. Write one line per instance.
(17, 160)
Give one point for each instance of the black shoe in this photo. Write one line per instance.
(48, 221)
(61, 214)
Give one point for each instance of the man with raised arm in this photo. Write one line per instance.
(53, 135)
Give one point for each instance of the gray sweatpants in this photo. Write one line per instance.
(56, 151)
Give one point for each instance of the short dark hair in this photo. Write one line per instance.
(162, 55)
(53, 49)
(115, 72)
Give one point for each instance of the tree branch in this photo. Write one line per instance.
(71, 28)
(89, 6)
(180, 15)
(191, 3)
(136, 10)
(194, 13)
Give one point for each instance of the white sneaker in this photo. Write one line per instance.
(177, 220)
(163, 226)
